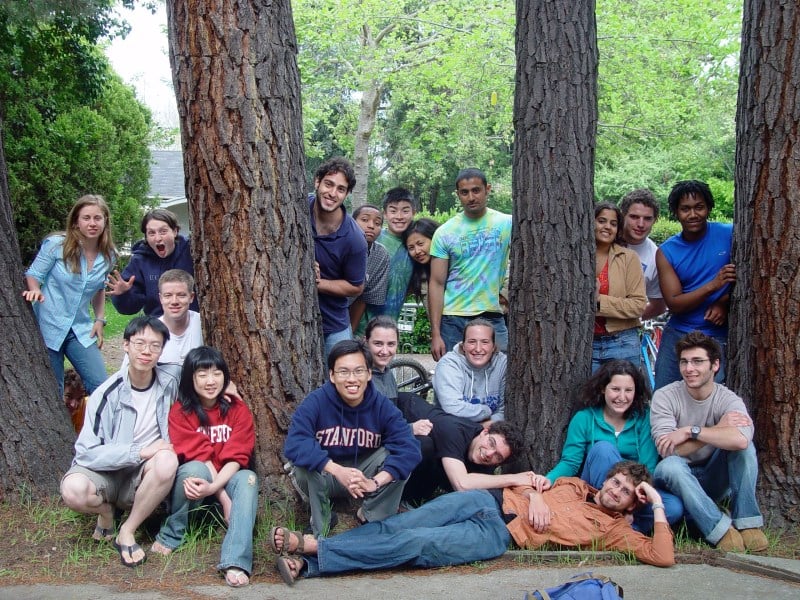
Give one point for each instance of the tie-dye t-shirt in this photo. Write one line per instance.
(477, 251)
(400, 268)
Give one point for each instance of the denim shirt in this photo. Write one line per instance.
(67, 295)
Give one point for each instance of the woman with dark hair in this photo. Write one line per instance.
(417, 240)
(67, 275)
(613, 426)
(212, 433)
(619, 291)
(162, 249)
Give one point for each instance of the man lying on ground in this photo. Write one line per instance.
(462, 527)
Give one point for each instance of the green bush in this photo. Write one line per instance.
(419, 340)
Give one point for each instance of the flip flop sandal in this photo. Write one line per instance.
(236, 577)
(130, 550)
(101, 534)
(284, 565)
(286, 536)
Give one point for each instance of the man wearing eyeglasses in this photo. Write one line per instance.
(348, 439)
(123, 457)
(705, 435)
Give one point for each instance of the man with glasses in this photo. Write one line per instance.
(123, 457)
(348, 439)
(705, 435)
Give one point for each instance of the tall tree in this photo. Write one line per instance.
(552, 249)
(236, 79)
(765, 315)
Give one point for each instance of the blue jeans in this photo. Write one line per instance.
(452, 330)
(452, 529)
(667, 369)
(727, 473)
(237, 546)
(88, 362)
(604, 455)
(334, 338)
(623, 345)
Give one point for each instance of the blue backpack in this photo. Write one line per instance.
(584, 586)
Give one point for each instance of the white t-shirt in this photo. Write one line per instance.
(178, 346)
(145, 432)
(647, 254)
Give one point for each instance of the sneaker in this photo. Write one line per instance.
(754, 539)
(731, 542)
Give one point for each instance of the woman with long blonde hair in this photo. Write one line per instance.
(68, 274)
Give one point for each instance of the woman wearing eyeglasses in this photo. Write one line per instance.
(613, 426)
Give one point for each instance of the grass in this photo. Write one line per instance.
(115, 321)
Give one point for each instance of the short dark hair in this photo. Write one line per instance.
(477, 322)
(689, 187)
(399, 194)
(592, 392)
(364, 207)
(510, 433)
(346, 347)
(338, 164)
(633, 470)
(177, 276)
(160, 214)
(380, 322)
(471, 173)
(601, 206)
(139, 324)
(698, 339)
(640, 196)
(202, 357)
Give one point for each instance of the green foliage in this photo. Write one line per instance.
(664, 228)
(419, 340)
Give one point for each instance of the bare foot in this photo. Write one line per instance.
(160, 548)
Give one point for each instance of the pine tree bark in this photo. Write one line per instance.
(552, 248)
(235, 74)
(36, 432)
(764, 344)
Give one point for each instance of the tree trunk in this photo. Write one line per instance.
(370, 101)
(764, 345)
(235, 74)
(552, 248)
(35, 430)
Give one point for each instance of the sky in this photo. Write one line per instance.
(142, 60)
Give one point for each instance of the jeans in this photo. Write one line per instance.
(727, 473)
(452, 330)
(237, 546)
(321, 487)
(601, 457)
(334, 338)
(667, 370)
(623, 345)
(88, 362)
(453, 529)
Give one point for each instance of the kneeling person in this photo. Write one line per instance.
(123, 457)
(347, 439)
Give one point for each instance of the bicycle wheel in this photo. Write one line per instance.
(410, 376)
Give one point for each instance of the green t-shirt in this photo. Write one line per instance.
(400, 268)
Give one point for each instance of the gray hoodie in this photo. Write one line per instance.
(465, 391)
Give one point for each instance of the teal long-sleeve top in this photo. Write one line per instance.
(588, 426)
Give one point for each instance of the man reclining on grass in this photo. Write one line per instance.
(462, 527)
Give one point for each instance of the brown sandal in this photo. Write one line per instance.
(287, 536)
(284, 565)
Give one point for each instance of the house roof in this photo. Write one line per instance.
(166, 175)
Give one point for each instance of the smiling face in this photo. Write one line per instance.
(692, 213)
(489, 449)
(370, 221)
(382, 344)
(697, 370)
(398, 216)
(478, 345)
(208, 383)
(419, 248)
(91, 222)
(350, 376)
(143, 349)
(618, 494)
(605, 227)
(619, 395)
(474, 196)
(638, 222)
(160, 237)
(331, 191)
(175, 299)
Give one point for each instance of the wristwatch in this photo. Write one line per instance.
(695, 431)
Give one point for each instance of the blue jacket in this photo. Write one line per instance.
(324, 428)
(147, 266)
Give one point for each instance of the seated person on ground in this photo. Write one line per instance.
(213, 435)
(347, 439)
(123, 456)
(615, 425)
(470, 380)
(705, 435)
(464, 527)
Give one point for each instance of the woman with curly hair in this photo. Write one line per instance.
(67, 275)
(613, 426)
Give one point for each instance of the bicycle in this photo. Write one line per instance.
(411, 376)
(652, 330)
